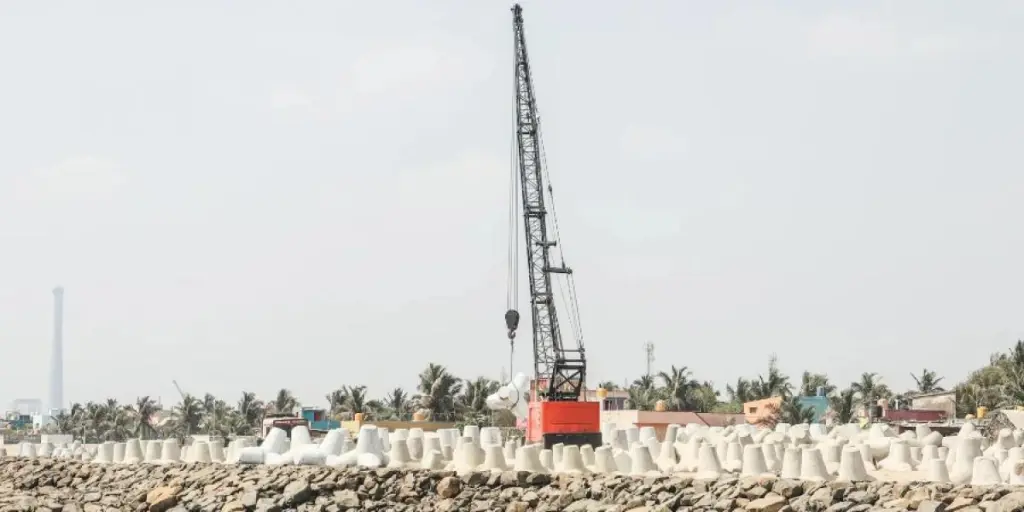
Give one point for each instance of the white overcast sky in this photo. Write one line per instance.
(255, 195)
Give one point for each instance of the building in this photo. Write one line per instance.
(27, 406)
(660, 420)
(614, 400)
(760, 411)
(944, 401)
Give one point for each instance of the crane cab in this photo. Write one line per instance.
(570, 422)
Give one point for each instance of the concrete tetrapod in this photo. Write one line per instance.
(547, 459)
(152, 451)
(334, 441)
(432, 443)
(733, 457)
(587, 453)
(708, 466)
(132, 452)
(851, 466)
(528, 459)
(666, 456)
(967, 450)
(753, 461)
(432, 460)
(308, 455)
(119, 449)
(604, 461)
(899, 457)
(494, 458)
(771, 458)
(216, 450)
(398, 456)
(791, 463)
(641, 462)
(1013, 455)
(104, 453)
(937, 471)
(812, 466)
(572, 461)
(985, 472)
(689, 456)
(170, 452)
(199, 452)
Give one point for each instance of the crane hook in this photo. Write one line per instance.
(512, 322)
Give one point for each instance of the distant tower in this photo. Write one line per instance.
(57, 355)
(649, 350)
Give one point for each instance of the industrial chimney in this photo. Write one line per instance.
(57, 356)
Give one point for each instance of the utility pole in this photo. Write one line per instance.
(649, 350)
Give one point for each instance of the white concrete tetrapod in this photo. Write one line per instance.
(932, 439)
(494, 458)
(604, 461)
(133, 452)
(152, 451)
(1015, 475)
(468, 458)
(899, 457)
(791, 463)
(366, 453)
(771, 458)
(399, 456)
(812, 466)
(199, 452)
(384, 440)
(619, 441)
(831, 453)
(170, 451)
(556, 453)
(1012, 456)
(104, 453)
(708, 465)
(413, 444)
(333, 442)
(671, 432)
(309, 455)
(119, 450)
(587, 453)
(647, 432)
(653, 446)
(432, 460)
(666, 456)
(753, 461)
(962, 468)
(472, 431)
(689, 453)
(632, 435)
(572, 461)
(528, 459)
(432, 443)
(851, 466)
(216, 450)
(276, 441)
(547, 459)
(733, 457)
(985, 471)
(623, 461)
(937, 471)
(641, 462)
(929, 452)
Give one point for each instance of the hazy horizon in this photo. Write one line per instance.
(314, 195)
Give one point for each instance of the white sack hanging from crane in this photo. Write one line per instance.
(513, 396)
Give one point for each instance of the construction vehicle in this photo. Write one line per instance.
(556, 412)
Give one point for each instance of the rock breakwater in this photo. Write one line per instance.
(73, 486)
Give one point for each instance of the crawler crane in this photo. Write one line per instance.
(557, 410)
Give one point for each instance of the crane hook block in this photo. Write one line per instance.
(512, 321)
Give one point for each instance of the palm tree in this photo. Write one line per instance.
(742, 392)
(472, 403)
(285, 403)
(397, 405)
(774, 384)
(642, 398)
(143, 412)
(792, 411)
(677, 387)
(251, 411)
(187, 415)
(843, 405)
(357, 401)
(928, 382)
(608, 385)
(644, 382)
(704, 398)
(436, 392)
(870, 389)
(810, 382)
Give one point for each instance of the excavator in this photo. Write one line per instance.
(554, 406)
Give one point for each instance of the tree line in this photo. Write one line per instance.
(441, 396)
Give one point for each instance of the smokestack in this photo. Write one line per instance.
(57, 356)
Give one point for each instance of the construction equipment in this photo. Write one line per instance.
(557, 413)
